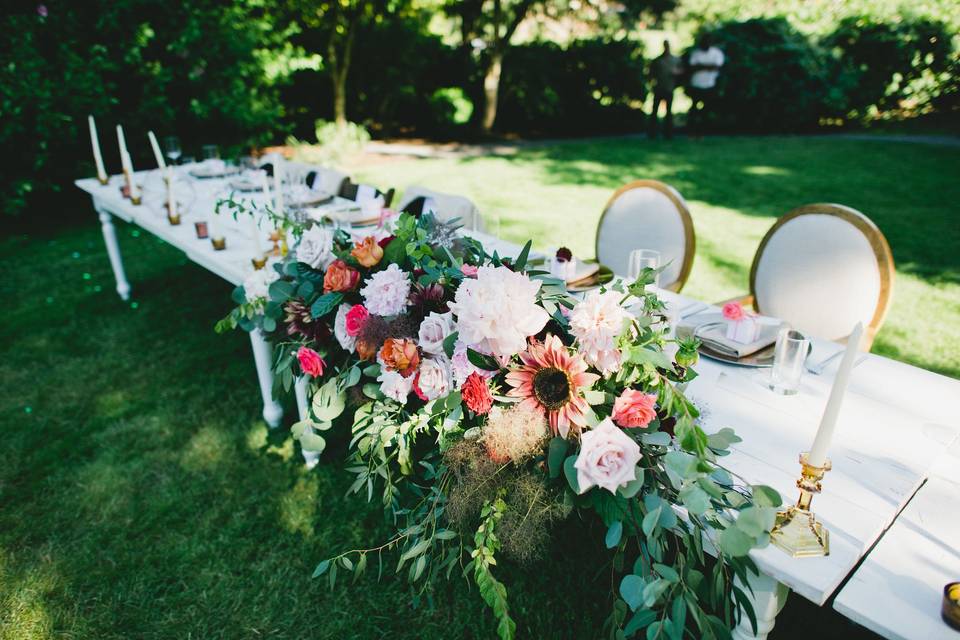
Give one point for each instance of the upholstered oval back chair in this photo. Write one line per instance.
(647, 214)
(445, 206)
(823, 268)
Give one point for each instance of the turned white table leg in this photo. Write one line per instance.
(311, 458)
(113, 250)
(262, 356)
(767, 599)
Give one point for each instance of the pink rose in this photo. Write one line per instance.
(733, 311)
(310, 362)
(634, 408)
(469, 270)
(356, 318)
(608, 458)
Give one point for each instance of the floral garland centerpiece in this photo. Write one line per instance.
(486, 404)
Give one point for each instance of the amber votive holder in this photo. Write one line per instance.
(219, 244)
(203, 231)
(173, 218)
(951, 605)
(259, 263)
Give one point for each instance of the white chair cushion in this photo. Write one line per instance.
(819, 273)
(642, 218)
(448, 206)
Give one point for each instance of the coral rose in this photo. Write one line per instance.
(400, 355)
(634, 408)
(340, 277)
(469, 270)
(310, 362)
(367, 252)
(356, 318)
(733, 311)
(476, 394)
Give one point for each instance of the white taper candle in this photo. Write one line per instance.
(134, 189)
(121, 141)
(828, 424)
(156, 150)
(97, 157)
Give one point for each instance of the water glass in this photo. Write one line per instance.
(210, 152)
(789, 355)
(641, 259)
(171, 146)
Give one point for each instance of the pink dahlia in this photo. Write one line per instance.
(550, 381)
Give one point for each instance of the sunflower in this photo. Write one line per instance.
(550, 381)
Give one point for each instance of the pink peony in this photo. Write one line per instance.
(634, 408)
(310, 362)
(733, 311)
(356, 318)
(608, 458)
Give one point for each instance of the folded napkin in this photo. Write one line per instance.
(583, 272)
(714, 335)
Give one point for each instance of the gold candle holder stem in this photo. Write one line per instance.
(796, 530)
(103, 181)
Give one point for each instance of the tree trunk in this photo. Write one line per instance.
(491, 90)
(340, 98)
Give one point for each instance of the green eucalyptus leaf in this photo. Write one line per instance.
(735, 542)
(325, 304)
(309, 441)
(556, 454)
(449, 343)
(631, 590)
(633, 487)
(269, 324)
(650, 521)
(640, 620)
(571, 473)
(764, 496)
(614, 533)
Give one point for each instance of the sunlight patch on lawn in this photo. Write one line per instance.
(23, 612)
(106, 487)
(298, 506)
(112, 404)
(205, 450)
(763, 170)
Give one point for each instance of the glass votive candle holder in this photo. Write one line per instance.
(789, 355)
(951, 605)
(203, 231)
(259, 263)
(219, 243)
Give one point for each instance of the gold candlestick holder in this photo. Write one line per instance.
(259, 263)
(103, 181)
(219, 243)
(796, 530)
(275, 239)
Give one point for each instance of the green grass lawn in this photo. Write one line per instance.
(141, 495)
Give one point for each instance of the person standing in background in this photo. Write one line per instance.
(704, 65)
(664, 71)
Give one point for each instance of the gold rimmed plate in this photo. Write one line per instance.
(603, 275)
(757, 360)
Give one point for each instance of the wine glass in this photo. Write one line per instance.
(641, 259)
(171, 144)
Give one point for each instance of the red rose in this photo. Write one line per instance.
(356, 318)
(476, 394)
(310, 362)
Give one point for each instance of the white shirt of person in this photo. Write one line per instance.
(705, 79)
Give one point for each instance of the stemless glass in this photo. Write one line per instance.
(171, 145)
(788, 357)
(210, 152)
(641, 259)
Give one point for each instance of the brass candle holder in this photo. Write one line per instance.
(259, 263)
(103, 181)
(951, 605)
(219, 243)
(796, 530)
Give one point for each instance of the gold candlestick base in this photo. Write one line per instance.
(136, 200)
(219, 244)
(796, 530)
(259, 263)
(173, 218)
(103, 181)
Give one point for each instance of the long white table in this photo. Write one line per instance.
(896, 426)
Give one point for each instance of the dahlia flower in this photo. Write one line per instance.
(550, 381)
(385, 293)
(498, 310)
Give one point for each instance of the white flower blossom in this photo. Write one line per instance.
(346, 341)
(257, 284)
(393, 385)
(597, 322)
(434, 329)
(386, 292)
(316, 247)
(498, 310)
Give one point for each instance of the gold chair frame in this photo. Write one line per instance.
(878, 242)
(689, 237)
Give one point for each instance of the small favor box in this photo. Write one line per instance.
(563, 269)
(745, 330)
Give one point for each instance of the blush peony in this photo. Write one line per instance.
(634, 408)
(340, 277)
(434, 329)
(597, 322)
(476, 394)
(386, 292)
(395, 386)
(310, 362)
(498, 310)
(608, 458)
(316, 247)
